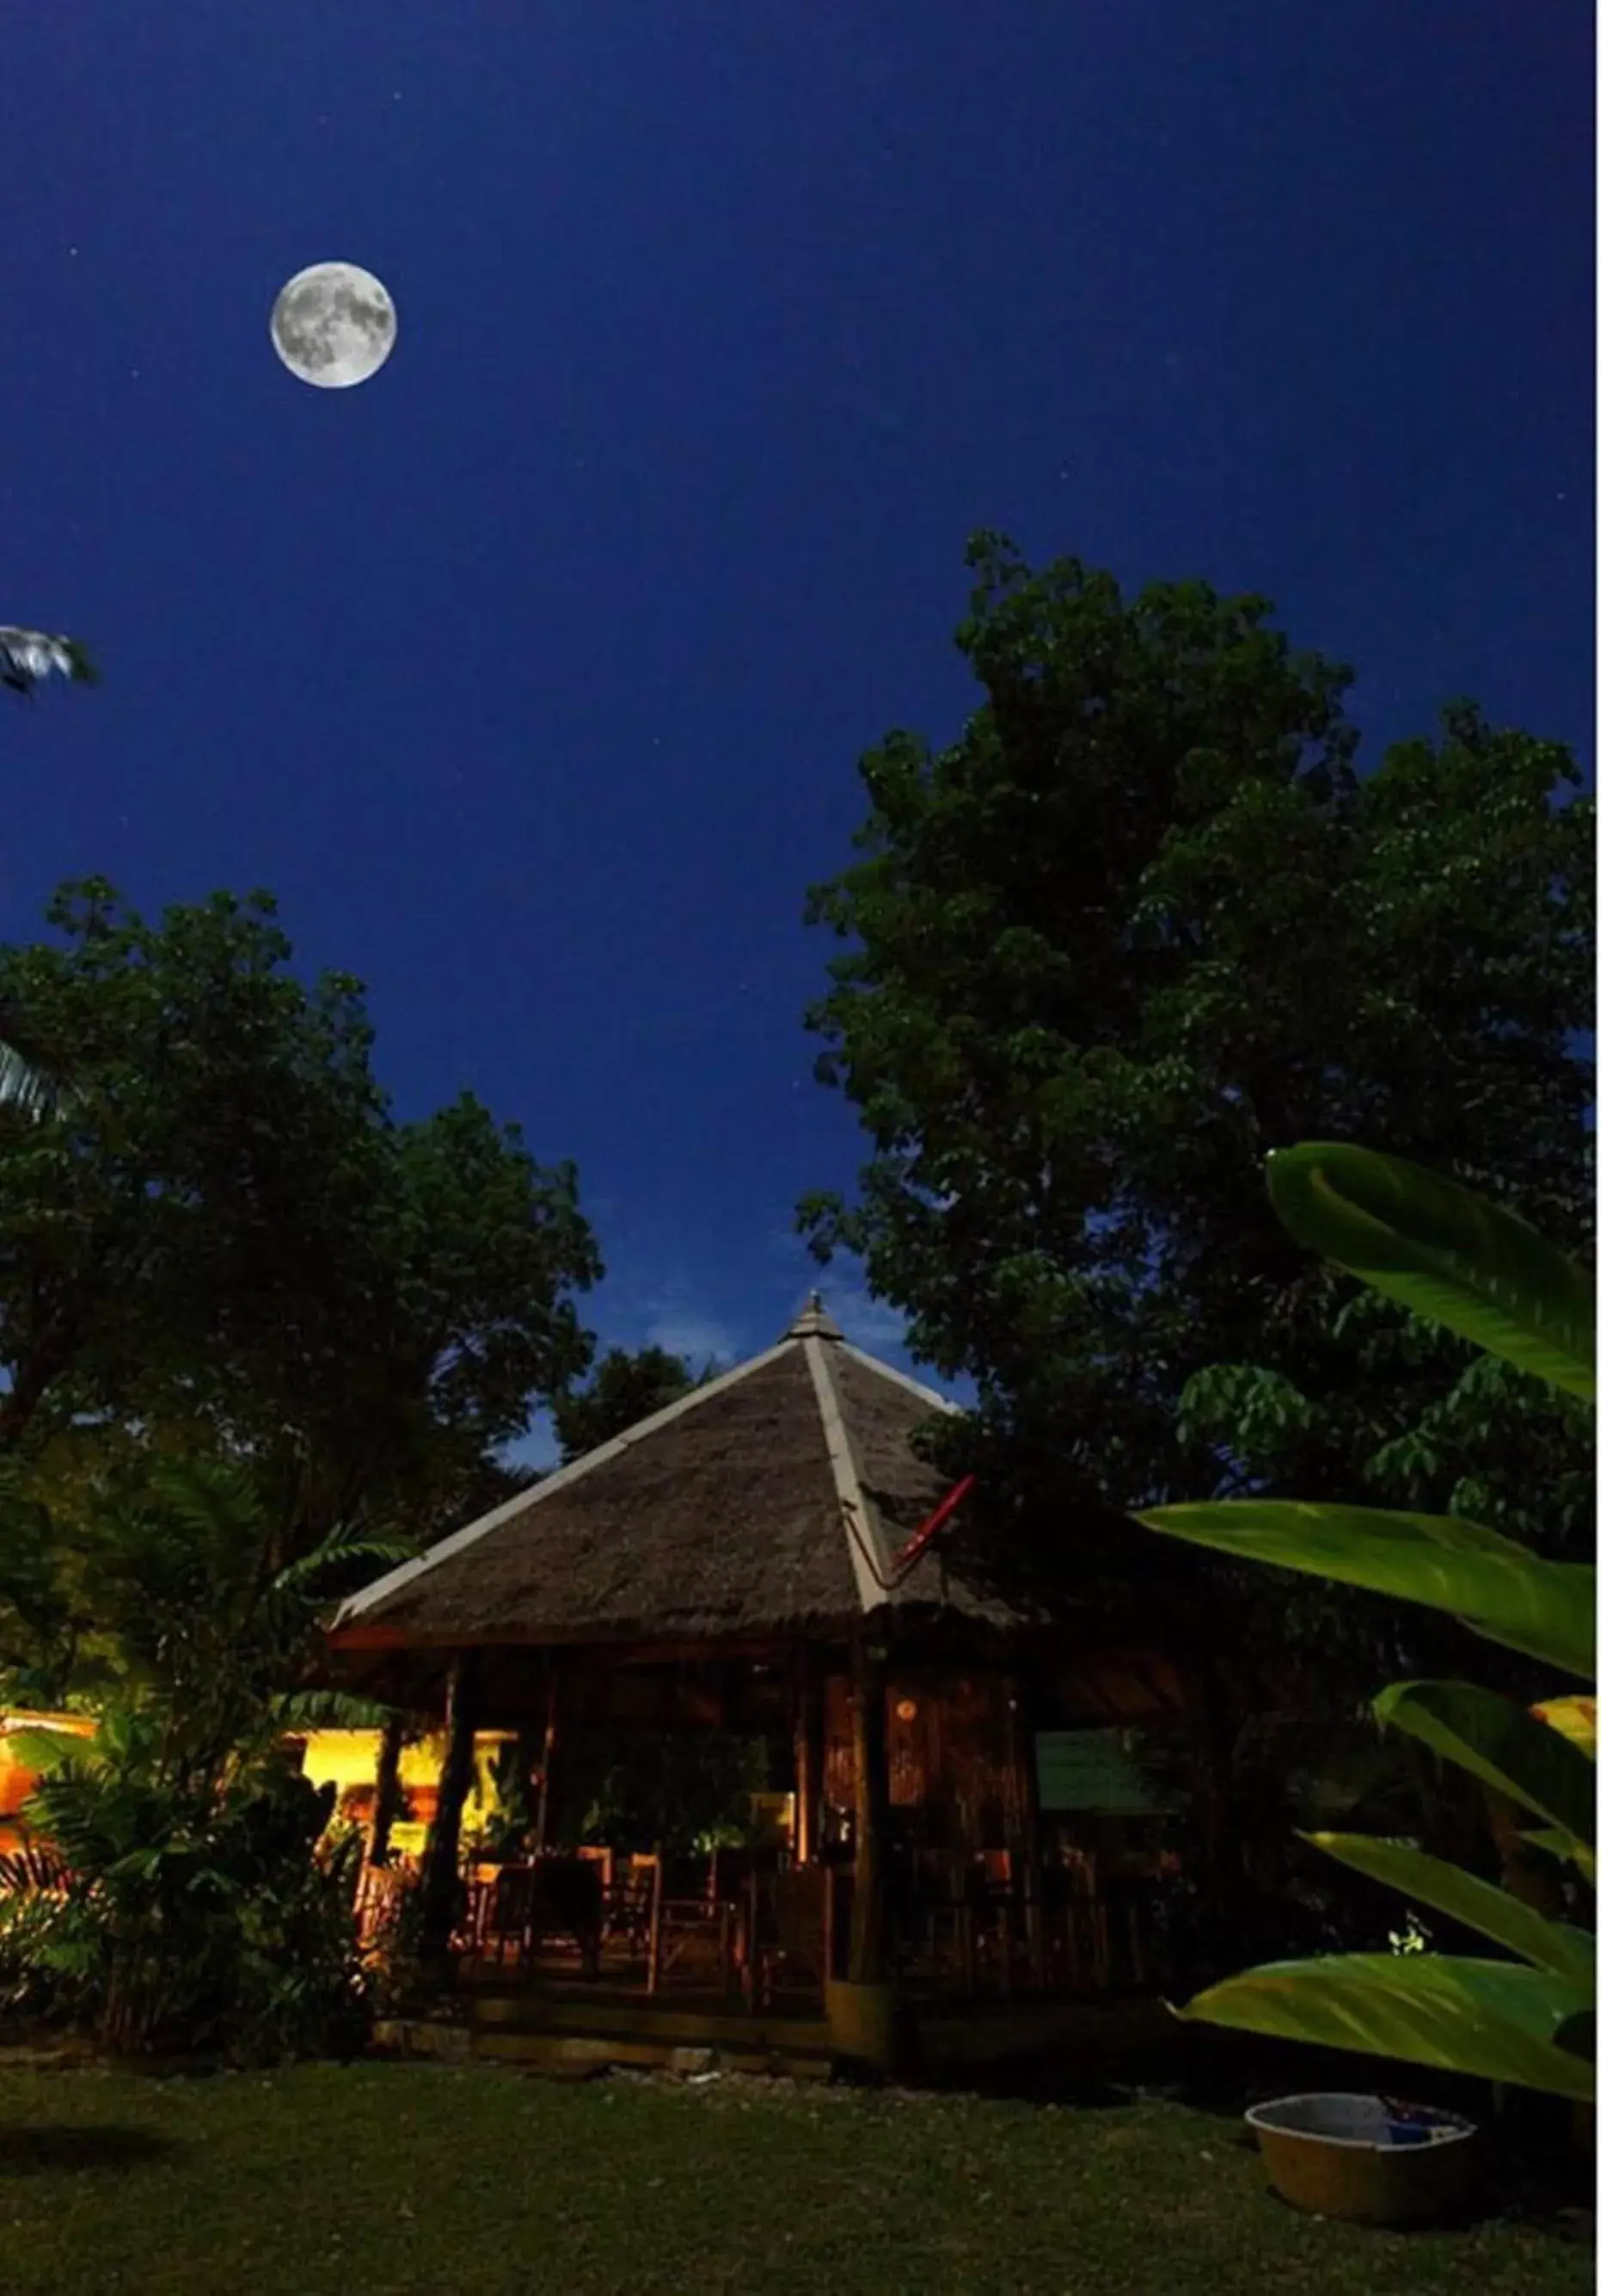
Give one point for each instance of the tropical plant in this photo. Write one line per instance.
(162, 1584)
(622, 1389)
(198, 1906)
(1527, 2019)
(509, 1827)
(682, 1791)
(228, 1230)
(1139, 919)
(26, 656)
(201, 1921)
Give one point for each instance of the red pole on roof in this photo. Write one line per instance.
(925, 1532)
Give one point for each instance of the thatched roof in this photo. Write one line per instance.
(773, 1501)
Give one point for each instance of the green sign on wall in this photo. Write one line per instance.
(1096, 1770)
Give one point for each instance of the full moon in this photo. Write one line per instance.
(333, 324)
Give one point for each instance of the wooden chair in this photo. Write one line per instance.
(691, 1934)
(378, 1897)
(940, 1938)
(995, 1918)
(501, 1897)
(568, 1900)
(526, 1903)
(740, 1878)
(630, 1906)
(598, 1853)
(793, 1936)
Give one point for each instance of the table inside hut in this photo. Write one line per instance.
(556, 1898)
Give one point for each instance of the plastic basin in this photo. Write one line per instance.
(1369, 2159)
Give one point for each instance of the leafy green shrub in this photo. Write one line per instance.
(396, 1974)
(1527, 2018)
(202, 1908)
(183, 1924)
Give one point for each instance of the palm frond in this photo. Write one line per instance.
(28, 1078)
(326, 1710)
(27, 656)
(302, 1578)
(24, 1086)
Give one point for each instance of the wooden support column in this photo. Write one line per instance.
(1025, 1796)
(809, 1757)
(441, 1883)
(542, 1805)
(869, 1905)
(386, 1792)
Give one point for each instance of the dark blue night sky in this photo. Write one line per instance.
(531, 676)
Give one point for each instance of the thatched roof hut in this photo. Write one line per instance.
(749, 1560)
(770, 1503)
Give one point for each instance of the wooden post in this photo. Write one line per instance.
(547, 1756)
(1025, 1788)
(869, 1896)
(652, 1965)
(809, 1757)
(967, 1958)
(439, 1882)
(386, 1791)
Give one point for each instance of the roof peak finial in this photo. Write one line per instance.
(814, 1321)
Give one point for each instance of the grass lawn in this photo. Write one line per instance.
(377, 2178)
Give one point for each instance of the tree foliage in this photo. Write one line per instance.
(624, 1387)
(162, 1586)
(195, 1907)
(27, 656)
(225, 1228)
(1142, 921)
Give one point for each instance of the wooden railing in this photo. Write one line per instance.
(961, 1933)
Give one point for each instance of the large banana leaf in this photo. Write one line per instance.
(1554, 1946)
(1501, 1742)
(1578, 2033)
(1503, 1591)
(1575, 1717)
(1492, 2018)
(1555, 1843)
(1443, 1252)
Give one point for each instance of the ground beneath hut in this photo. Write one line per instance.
(412, 2180)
